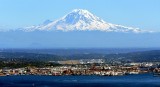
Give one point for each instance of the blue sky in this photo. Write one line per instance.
(144, 14)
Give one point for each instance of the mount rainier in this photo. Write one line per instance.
(78, 29)
(81, 20)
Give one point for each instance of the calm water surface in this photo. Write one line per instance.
(142, 80)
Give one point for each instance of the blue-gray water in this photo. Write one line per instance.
(142, 80)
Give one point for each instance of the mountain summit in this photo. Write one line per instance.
(81, 20)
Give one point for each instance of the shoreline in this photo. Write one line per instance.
(74, 75)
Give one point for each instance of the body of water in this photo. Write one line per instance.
(141, 80)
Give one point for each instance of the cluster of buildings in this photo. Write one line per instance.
(81, 61)
(84, 67)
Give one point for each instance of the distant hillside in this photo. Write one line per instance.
(145, 56)
(27, 57)
(138, 56)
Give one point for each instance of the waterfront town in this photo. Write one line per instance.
(85, 67)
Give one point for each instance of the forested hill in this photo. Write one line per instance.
(27, 57)
(145, 56)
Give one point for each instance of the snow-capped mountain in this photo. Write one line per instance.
(81, 20)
